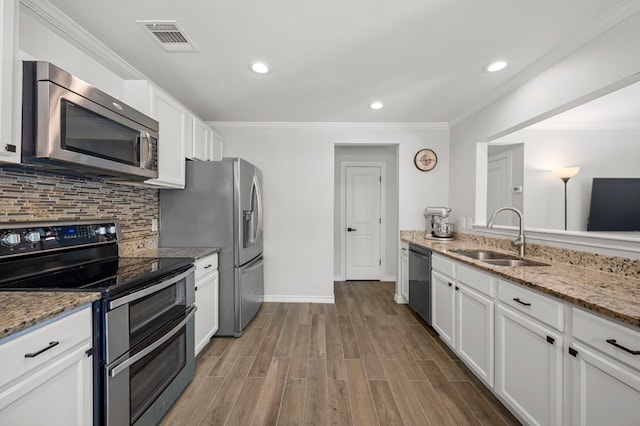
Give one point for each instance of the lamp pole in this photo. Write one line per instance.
(565, 180)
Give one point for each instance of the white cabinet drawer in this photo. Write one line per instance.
(540, 307)
(604, 335)
(475, 279)
(69, 332)
(206, 265)
(443, 265)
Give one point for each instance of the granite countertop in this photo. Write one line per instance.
(194, 252)
(612, 295)
(20, 310)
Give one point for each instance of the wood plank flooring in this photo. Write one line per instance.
(364, 360)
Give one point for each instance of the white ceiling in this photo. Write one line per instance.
(331, 58)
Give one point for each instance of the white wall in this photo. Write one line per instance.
(297, 161)
(607, 59)
(598, 152)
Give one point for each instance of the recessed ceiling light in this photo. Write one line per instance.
(376, 105)
(496, 66)
(260, 68)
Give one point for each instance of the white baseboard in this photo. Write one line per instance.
(299, 299)
(387, 278)
(400, 300)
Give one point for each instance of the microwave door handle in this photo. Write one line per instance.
(145, 154)
(146, 351)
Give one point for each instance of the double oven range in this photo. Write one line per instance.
(143, 322)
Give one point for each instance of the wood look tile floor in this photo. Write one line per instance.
(364, 360)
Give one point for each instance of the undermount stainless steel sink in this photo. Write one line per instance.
(498, 259)
(483, 254)
(514, 262)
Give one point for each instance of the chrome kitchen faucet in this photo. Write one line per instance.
(519, 242)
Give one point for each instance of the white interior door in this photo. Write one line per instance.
(499, 188)
(363, 223)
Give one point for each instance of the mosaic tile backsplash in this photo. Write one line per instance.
(35, 195)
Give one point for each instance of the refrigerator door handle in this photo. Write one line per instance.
(256, 185)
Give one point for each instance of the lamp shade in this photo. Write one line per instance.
(566, 172)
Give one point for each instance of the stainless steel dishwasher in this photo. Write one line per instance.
(420, 281)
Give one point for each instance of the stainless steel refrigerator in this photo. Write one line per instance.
(221, 206)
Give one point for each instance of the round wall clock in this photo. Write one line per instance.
(425, 160)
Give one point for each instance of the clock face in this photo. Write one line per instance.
(425, 160)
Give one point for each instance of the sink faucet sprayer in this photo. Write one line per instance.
(519, 242)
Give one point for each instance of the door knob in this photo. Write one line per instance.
(351, 229)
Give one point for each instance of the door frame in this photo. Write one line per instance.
(343, 212)
(508, 156)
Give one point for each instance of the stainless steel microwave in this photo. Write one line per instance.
(71, 125)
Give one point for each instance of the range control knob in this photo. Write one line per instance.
(10, 239)
(100, 230)
(32, 237)
(112, 230)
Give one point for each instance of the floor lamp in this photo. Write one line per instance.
(565, 174)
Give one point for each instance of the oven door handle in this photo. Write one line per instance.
(149, 290)
(155, 345)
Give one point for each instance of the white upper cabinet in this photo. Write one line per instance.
(214, 152)
(206, 144)
(199, 140)
(173, 119)
(171, 141)
(9, 140)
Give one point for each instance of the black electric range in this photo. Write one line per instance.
(143, 323)
(76, 256)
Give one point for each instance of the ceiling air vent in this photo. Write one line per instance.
(169, 35)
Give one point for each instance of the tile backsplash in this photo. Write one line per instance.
(35, 195)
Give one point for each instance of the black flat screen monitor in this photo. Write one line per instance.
(615, 205)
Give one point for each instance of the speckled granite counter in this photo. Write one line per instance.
(194, 252)
(21, 309)
(616, 296)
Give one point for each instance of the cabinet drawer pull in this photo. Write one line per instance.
(614, 343)
(51, 345)
(208, 266)
(517, 299)
(450, 284)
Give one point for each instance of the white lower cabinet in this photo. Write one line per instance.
(529, 373)
(604, 392)
(47, 374)
(207, 290)
(475, 331)
(443, 306)
(402, 292)
(462, 313)
(548, 361)
(605, 363)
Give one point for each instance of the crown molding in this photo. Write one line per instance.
(585, 126)
(79, 37)
(606, 21)
(319, 124)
